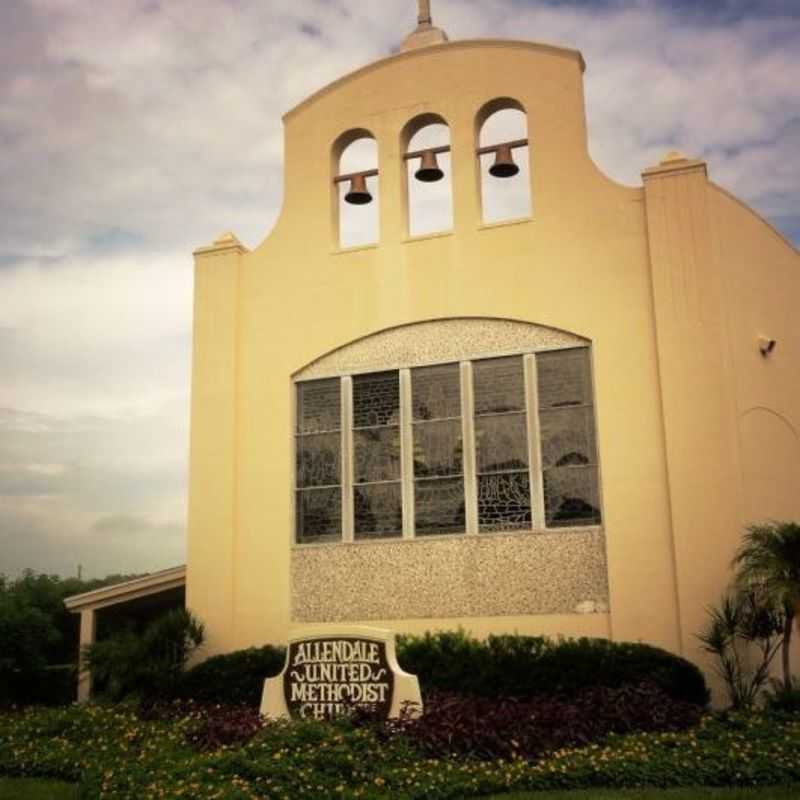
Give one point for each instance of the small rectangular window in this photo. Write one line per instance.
(569, 450)
(318, 461)
(438, 450)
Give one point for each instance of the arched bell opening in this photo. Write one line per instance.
(425, 144)
(355, 188)
(503, 159)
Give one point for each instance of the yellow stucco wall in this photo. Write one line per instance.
(661, 280)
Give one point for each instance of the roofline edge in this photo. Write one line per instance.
(462, 43)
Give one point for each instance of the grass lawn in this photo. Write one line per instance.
(30, 789)
(764, 793)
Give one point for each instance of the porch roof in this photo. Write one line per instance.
(156, 582)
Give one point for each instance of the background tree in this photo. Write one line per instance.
(39, 637)
(769, 559)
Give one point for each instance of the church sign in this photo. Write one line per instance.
(331, 673)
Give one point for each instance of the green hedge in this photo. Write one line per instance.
(524, 666)
(512, 666)
(233, 678)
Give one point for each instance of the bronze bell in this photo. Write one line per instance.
(429, 171)
(504, 166)
(358, 194)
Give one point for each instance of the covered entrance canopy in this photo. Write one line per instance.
(142, 598)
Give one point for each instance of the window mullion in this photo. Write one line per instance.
(536, 478)
(468, 449)
(406, 454)
(347, 458)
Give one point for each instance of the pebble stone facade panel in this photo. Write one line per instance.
(457, 576)
(438, 341)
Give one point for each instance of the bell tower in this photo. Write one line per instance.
(477, 510)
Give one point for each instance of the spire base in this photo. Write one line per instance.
(425, 35)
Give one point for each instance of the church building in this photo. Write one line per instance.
(468, 380)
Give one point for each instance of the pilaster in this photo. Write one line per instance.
(696, 385)
(212, 526)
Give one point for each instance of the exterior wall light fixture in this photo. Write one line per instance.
(766, 345)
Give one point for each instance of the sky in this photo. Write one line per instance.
(134, 131)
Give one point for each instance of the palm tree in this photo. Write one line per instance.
(769, 557)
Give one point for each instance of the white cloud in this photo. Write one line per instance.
(133, 131)
(79, 338)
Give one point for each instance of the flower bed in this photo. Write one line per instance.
(116, 754)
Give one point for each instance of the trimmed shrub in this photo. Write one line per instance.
(508, 728)
(527, 666)
(235, 678)
(451, 661)
(224, 726)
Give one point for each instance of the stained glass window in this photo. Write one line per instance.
(436, 392)
(439, 506)
(376, 399)
(319, 514)
(378, 510)
(566, 422)
(318, 406)
(504, 501)
(318, 461)
(377, 490)
(499, 385)
(501, 444)
(403, 439)
(438, 450)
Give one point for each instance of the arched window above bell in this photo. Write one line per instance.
(503, 160)
(355, 188)
(426, 148)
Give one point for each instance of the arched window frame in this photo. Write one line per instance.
(486, 111)
(340, 145)
(409, 131)
(335, 376)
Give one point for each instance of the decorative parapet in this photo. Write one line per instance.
(675, 163)
(224, 243)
